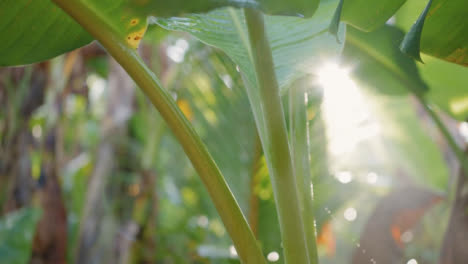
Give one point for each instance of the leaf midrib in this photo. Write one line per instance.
(241, 30)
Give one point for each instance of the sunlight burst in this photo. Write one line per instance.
(345, 112)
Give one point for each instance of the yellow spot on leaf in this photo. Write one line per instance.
(134, 38)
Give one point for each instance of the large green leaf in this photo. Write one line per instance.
(34, 31)
(367, 15)
(377, 60)
(447, 81)
(16, 235)
(39, 30)
(299, 45)
(207, 93)
(445, 33)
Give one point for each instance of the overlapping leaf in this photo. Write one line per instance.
(376, 58)
(445, 30)
(447, 81)
(445, 33)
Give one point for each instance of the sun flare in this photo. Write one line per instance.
(345, 112)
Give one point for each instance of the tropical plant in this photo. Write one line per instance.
(280, 49)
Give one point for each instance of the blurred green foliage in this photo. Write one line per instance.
(16, 235)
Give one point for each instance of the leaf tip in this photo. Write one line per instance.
(335, 22)
(412, 41)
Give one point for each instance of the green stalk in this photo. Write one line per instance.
(275, 144)
(254, 182)
(446, 133)
(235, 222)
(299, 133)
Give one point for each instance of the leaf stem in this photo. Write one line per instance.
(275, 144)
(235, 222)
(299, 133)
